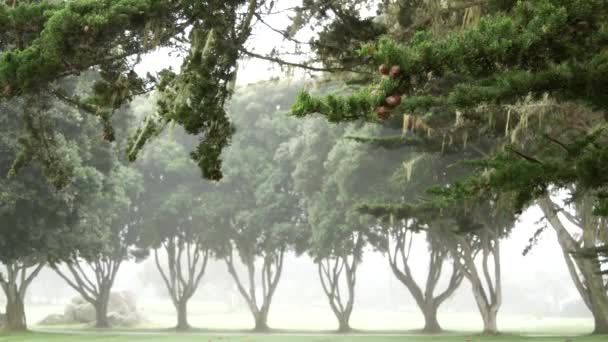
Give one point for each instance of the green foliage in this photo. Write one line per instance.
(38, 221)
(532, 38)
(255, 207)
(45, 43)
(64, 44)
(168, 206)
(472, 81)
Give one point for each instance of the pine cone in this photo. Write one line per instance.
(395, 71)
(383, 69)
(382, 113)
(393, 101)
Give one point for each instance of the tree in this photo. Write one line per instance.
(38, 223)
(109, 216)
(112, 218)
(462, 231)
(339, 233)
(411, 180)
(337, 246)
(405, 222)
(589, 231)
(469, 231)
(487, 286)
(331, 173)
(16, 277)
(483, 85)
(400, 239)
(174, 229)
(254, 211)
(340, 29)
(66, 38)
(548, 154)
(470, 83)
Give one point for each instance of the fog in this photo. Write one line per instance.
(538, 294)
(536, 287)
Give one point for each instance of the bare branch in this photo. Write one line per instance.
(282, 62)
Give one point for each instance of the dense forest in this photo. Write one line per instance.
(414, 126)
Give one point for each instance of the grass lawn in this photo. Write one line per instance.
(305, 325)
(161, 315)
(35, 337)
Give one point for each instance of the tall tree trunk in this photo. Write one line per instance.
(261, 321)
(601, 325)
(464, 253)
(15, 313)
(15, 285)
(431, 324)
(330, 272)
(344, 322)
(270, 275)
(101, 306)
(182, 277)
(487, 309)
(101, 313)
(93, 289)
(182, 315)
(585, 272)
(490, 317)
(599, 304)
(400, 240)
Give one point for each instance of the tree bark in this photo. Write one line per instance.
(490, 324)
(95, 290)
(186, 265)
(487, 308)
(431, 323)
(270, 275)
(599, 304)
(464, 252)
(330, 275)
(15, 285)
(344, 323)
(101, 313)
(585, 272)
(400, 240)
(182, 315)
(601, 325)
(15, 314)
(261, 321)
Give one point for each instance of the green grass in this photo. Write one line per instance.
(161, 315)
(35, 337)
(222, 326)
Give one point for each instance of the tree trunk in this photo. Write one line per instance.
(431, 324)
(101, 313)
(261, 321)
(182, 316)
(490, 326)
(583, 271)
(601, 324)
(15, 314)
(344, 323)
(598, 296)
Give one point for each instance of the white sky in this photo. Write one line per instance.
(262, 41)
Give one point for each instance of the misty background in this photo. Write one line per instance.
(533, 288)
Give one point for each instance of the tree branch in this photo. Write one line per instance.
(282, 62)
